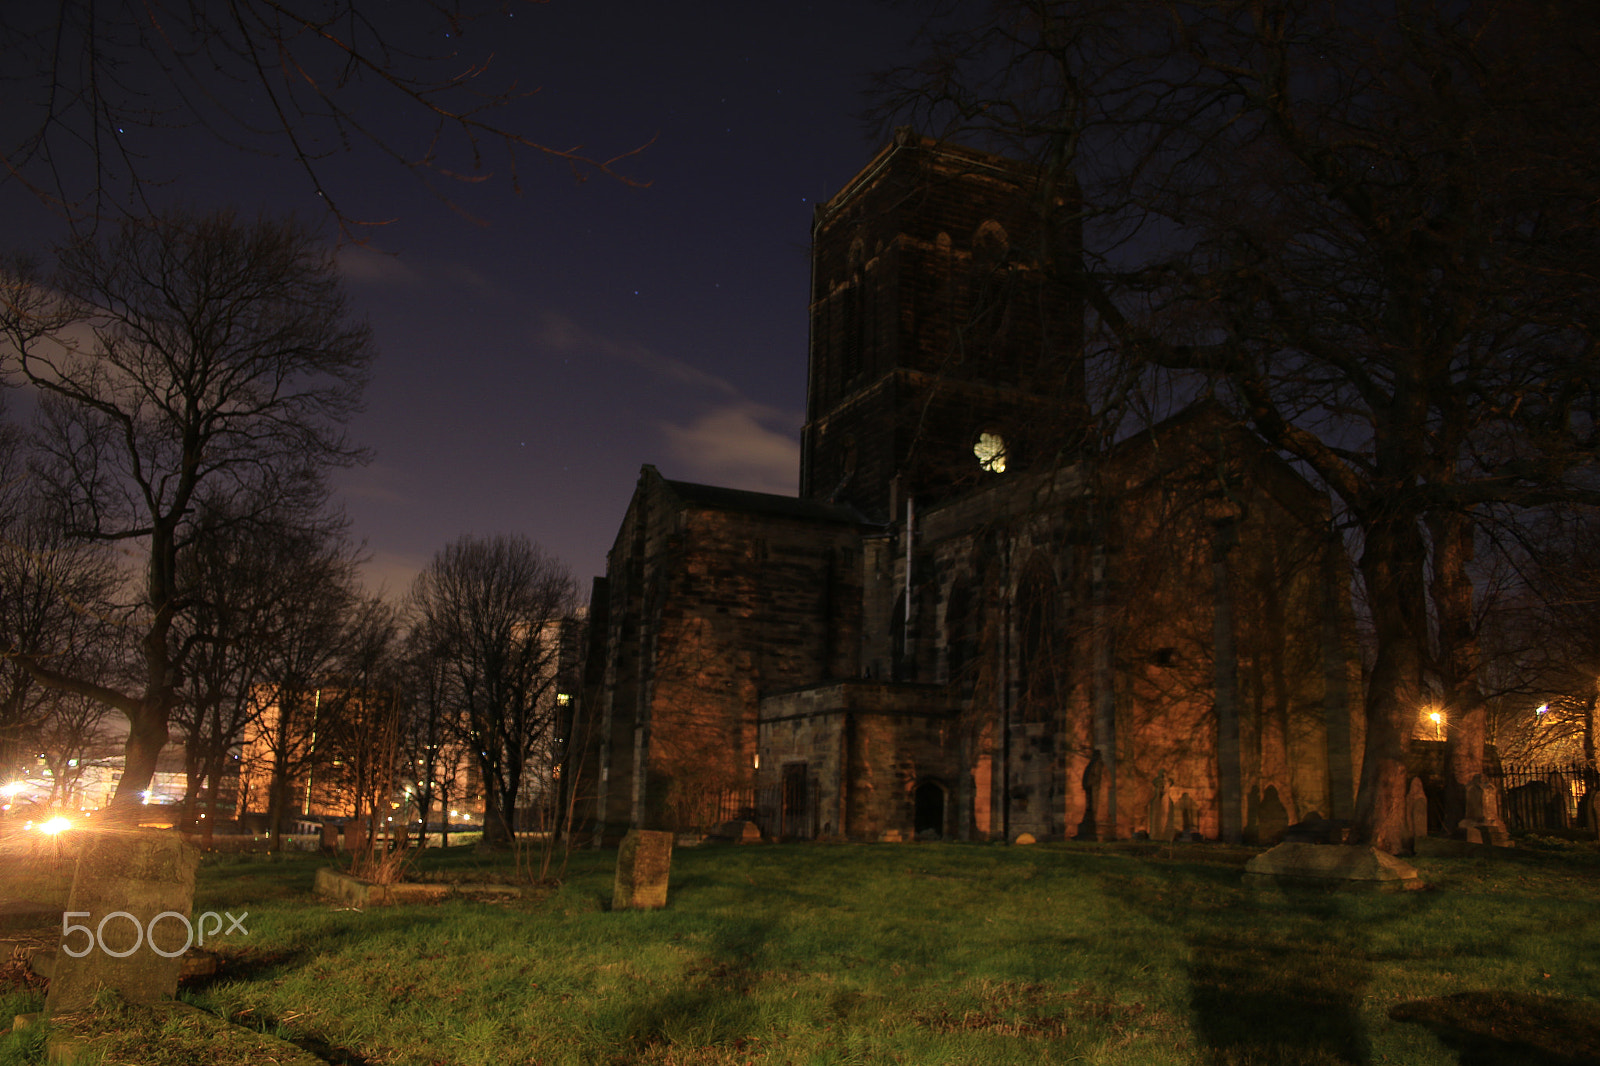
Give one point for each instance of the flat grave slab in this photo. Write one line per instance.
(1333, 866)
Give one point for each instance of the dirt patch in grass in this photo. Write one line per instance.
(1494, 1028)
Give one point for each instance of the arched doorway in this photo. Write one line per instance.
(930, 808)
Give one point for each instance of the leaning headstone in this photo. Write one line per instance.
(643, 863)
(1416, 809)
(126, 880)
(1333, 866)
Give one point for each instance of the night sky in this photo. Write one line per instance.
(532, 359)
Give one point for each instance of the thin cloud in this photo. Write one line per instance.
(467, 277)
(390, 574)
(738, 443)
(376, 482)
(562, 334)
(743, 446)
(364, 266)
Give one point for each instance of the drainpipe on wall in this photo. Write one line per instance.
(1004, 690)
(907, 652)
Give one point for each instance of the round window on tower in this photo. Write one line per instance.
(991, 452)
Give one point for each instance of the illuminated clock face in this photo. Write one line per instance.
(991, 452)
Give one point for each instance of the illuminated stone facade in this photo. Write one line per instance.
(965, 626)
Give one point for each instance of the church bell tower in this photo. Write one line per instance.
(946, 345)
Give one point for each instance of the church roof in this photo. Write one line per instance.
(717, 498)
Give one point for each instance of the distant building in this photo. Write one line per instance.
(967, 625)
(330, 753)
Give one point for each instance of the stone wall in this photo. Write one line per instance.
(869, 747)
(714, 597)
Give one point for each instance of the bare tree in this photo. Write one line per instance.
(241, 573)
(95, 90)
(56, 605)
(220, 363)
(1543, 649)
(1369, 229)
(496, 608)
(431, 735)
(364, 702)
(299, 699)
(72, 731)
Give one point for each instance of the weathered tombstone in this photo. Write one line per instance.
(1169, 824)
(1482, 823)
(125, 881)
(1187, 822)
(738, 831)
(1160, 810)
(355, 836)
(643, 863)
(330, 838)
(1416, 809)
(1272, 817)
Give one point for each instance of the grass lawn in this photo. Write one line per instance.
(925, 953)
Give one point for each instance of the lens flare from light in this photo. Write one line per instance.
(54, 826)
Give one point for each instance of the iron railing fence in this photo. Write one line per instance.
(782, 812)
(1549, 796)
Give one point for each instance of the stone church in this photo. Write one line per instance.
(969, 625)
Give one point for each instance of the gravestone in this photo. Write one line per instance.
(330, 838)
(355, 836)
(1482, 824)
(738, 832)
(1272, 817)
(1333, 865)
(1187, 822)
(1159, 812)
(125, 880)
(1416, 809)
(643, 863)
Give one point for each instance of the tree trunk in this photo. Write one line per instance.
(1393, 565)
(1466, 715)
(495, 827)
(1336, 680)
(147, 720)
(147, 735)
(1225, 669)
(208, 832)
